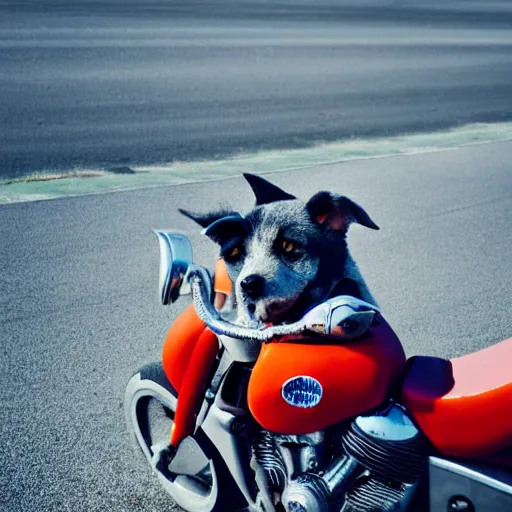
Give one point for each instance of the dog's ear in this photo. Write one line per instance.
(227, 228)
(220, 226)
(337, 212)
(205, 219)
(265, 191)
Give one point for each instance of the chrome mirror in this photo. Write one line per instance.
(341, 317)
(175, 259)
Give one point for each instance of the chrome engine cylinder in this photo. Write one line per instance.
(311, 492)
(382, 460)
(307, 493)
(388, 444)
(301, 453)
(270, 459)
(394, 454)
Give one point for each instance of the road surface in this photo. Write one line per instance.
(80, 310)
(102, 84)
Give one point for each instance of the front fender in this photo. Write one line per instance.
(189, 351)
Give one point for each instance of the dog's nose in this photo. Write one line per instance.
(253, 286)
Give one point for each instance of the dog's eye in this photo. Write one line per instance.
(290, 250)
(234, 254)
(289, 246)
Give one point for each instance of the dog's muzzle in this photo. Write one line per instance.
(253, 286)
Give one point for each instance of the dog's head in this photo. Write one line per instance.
(286, 254)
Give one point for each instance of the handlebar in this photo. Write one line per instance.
(342, 317)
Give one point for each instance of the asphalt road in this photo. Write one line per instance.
(80, 311)
(110, 83)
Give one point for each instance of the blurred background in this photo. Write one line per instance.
(113, 83)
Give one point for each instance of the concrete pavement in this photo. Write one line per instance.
(80, 310)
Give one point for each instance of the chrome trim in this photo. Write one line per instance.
(302, 453)
(311, 439)
(389, 424)
(473, 474)
(312, 492)
(175, 259)
(342, 317)
(305, 494)
(338, 472)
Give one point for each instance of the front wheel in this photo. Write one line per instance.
(198, 480)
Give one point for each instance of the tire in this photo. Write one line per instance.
(198, 479)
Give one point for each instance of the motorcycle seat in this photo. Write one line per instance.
(463, 405)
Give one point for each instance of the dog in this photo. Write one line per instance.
(286, 255)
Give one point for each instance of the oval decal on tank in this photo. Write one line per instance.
(302, 391)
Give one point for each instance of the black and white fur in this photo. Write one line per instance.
(272, 285)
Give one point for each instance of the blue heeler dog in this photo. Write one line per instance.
(287, 255)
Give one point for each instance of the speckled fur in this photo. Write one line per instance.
(290, 286)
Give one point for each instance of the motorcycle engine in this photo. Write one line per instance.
(372, 465)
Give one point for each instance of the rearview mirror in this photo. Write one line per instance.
(341, 317)
(175, 258)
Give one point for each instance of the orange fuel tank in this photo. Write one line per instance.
(298, 388)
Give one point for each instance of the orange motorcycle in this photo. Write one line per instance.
(324, 414)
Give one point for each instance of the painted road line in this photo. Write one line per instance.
(78, 182)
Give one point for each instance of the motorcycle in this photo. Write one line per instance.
(324, 414)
